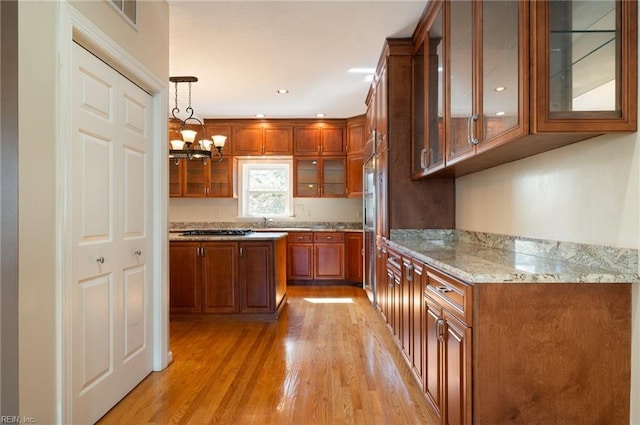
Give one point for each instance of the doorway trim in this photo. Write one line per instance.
(74, 27)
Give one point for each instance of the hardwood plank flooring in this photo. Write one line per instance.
(321, 363)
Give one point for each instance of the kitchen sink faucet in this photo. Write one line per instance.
(266, 222)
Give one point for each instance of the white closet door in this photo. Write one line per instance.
(110, 206)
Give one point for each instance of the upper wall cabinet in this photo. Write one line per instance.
(319, 139)
(262, 139)
(496, 81)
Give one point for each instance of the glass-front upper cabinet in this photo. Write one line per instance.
(428, 101)
(585, 75)
(504, 64)
(459, 80)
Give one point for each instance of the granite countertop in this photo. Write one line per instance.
(255, 236)
(483, 258)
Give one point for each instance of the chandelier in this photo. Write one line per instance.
(187, 147)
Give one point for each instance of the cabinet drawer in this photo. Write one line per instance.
(454, 295)
(328, 237)
(300, 237)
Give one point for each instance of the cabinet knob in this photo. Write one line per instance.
(138, 253)
(100, 260)
(443, 289)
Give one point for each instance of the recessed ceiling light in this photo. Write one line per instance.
(283, 91)
(501, 113)
(500, 88)
(259, 115)
(362, 70)
(321, 115)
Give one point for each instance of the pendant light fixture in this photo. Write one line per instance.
(187, 147)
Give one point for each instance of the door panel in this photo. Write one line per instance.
(109, 298)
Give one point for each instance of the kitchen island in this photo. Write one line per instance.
(501, 329)
(228, 275)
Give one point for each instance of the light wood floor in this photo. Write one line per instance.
(321, 363)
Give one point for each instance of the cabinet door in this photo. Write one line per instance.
(406, 292)
(417, 319)
(460, 39)
(219, 277)
(306, 177)
(176, 177)
(353, 260)
(354, 176)
(433, 354)
(586, 67)
(247, 140)
(333, 177)
(184, 278)
(428, 144)
(221, 178)
(196, 178)
(382, 207)
(505, 66)
(329, 261)
(300, 260)
(256, 277)
(355, 136)
(306, 141)
(278, 141)
(381, 279)
(457, 359)
(332, 141)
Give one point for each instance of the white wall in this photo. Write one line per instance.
(306, 210)
(39, 393)
(587, 192)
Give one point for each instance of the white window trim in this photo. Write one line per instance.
(244, 165)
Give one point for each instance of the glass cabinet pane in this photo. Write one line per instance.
(435, 66)
(500, 72)
(460, 76)
(195, 178)
(584, 56)
(307, 177)
(333, 177)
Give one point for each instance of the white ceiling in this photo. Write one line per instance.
(242, 52)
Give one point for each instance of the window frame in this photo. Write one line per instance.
(244, 168)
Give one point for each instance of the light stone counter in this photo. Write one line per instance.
(255, 236)
(486, 258)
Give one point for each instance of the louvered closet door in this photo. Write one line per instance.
(110, 294)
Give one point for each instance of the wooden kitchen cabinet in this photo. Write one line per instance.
(211, 180)
(466, 334)
(176, 177)
(300, 256)
(228, 277)
(262, 139)
(354, 261)
(328, 255)
(185, 295)
(319, 177)
(356, 138)
(219, 262)
(318, 256)
(519, 78)
(417, 204)
(319, 139)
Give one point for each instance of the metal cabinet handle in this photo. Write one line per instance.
(241, 251)
(138, 252)
(300, 238)
(470, 138)
(443, 289)
(423, 158)
(409, 268)
(100, 260)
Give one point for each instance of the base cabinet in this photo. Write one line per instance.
(517, 353)
(228, 277)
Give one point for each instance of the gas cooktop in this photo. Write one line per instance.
(217, 232)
